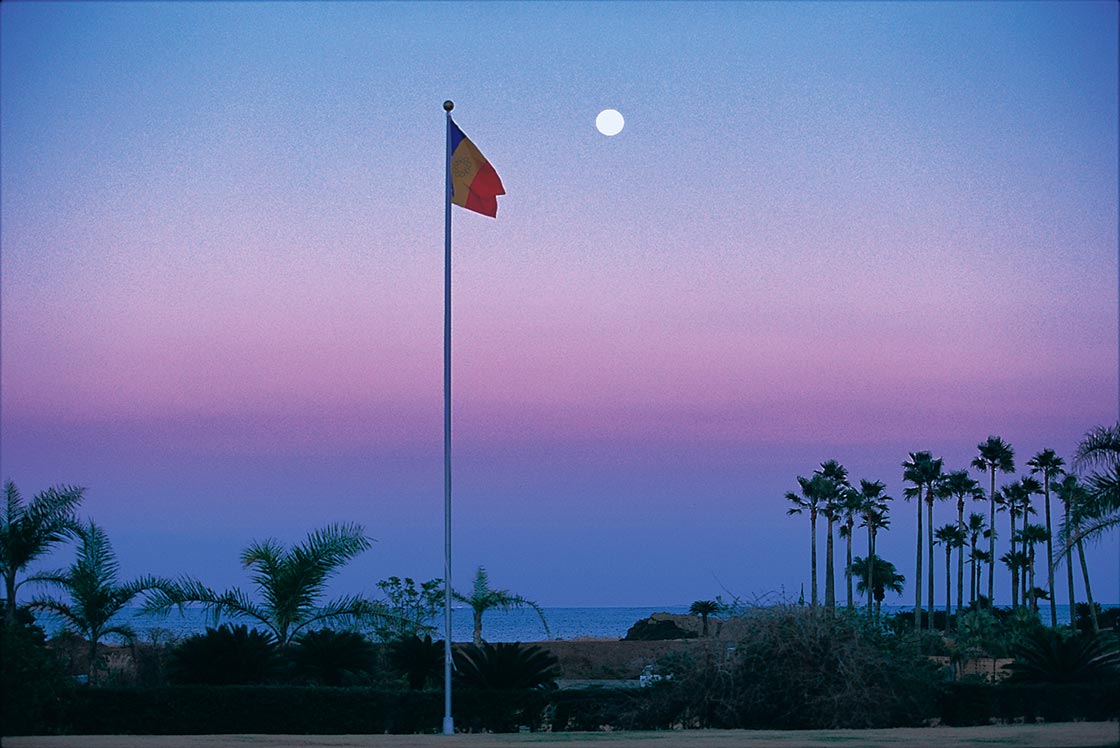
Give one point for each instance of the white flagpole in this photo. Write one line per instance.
(448, 721)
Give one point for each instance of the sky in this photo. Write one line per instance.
(828, 231)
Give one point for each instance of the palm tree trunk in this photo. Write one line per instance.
(1014, 567)
(918, 570)
(929, 539)
(829, 576)
(704, 624)
(1033, 586)
(973, 582)
(848, 567)
(10, 598)
(477, 626)
(92, 660)
(813, 557)
(948, 577)
(870, 571)
(1069, 574)
(960, 557)
(992, 540)
(1050, 558)
(1088, 589)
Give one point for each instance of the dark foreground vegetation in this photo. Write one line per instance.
(795, 668)
(362, 665)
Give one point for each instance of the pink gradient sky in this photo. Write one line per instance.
(828, 231)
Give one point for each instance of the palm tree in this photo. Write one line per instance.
(1083, 510)
(876, 576)
(924, 472)
(27, 531)
(836, 476)
(1016, 501)
(483, 598)
(704, 608)
(873, 512)
(950, 536)
(1069, 492)
(1029, 537)
(1050, 466)
(813, 492)
(291, 583)
(975, 529)
(95, 594)
(1100, 448)
(960, 485)
(995, 454)
(851, 505)
(911, 472)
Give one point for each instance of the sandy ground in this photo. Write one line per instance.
(1058, 735)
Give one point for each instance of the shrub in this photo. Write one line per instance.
(506, 667)
(32, 682)
(333, 658)
(1051, 656)
(418, 661)
(804, 668)
(225, 656)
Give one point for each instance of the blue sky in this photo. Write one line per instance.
(834, 230)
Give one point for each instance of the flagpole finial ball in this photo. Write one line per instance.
(448, 105)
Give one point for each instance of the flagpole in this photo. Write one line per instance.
(448, 721)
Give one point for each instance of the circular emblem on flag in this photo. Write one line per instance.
(461, 167)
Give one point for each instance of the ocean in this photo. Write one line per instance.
(497, 626)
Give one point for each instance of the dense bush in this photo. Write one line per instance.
(980, 703)
(333, 658)
(505, 667)
(804, 668)
(225, 656)
(1053, 656)
(194, 710)
(418, 661)
(32, 682)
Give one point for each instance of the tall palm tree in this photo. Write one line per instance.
(95, 594)
(924, 472)
(705, 608)
(1049, 465)
(1069, 491)
(291, 582)
(876, 576)
(995, 454)
(1016, 501)
(1100, 450)
(1030, 487)
(813, 494)
(1084, 508)
(483, 597)
(27, 531)
(836, 476)
(949, 536)
(873, 513)
(913, 472)
(851, 507)
(1030, 536)
(960, 485)
(975, 529)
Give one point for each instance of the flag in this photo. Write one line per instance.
(474, 183)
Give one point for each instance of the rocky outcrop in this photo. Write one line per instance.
(664, 626)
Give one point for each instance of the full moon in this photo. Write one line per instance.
(609, 122)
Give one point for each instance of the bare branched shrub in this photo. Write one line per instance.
(805, 668)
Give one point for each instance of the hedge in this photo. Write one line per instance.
(979, 703)
(188, 710)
